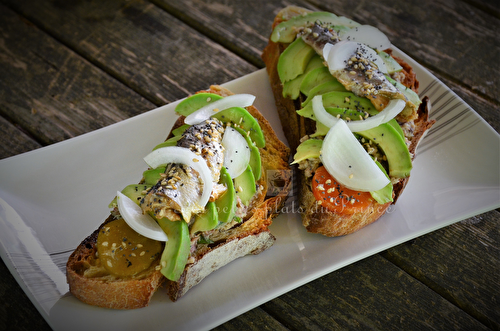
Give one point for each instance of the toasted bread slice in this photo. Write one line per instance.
(315, 218)
(91, 284)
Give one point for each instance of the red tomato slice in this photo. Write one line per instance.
(336, 197)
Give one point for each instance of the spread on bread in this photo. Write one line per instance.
(200, 204)
(354, 115)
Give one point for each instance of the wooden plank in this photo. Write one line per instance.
(235, 24)
(138, 44)
(253, 320)
(369, 294)
(438, 34)
(51, 92)
(459, 262)
(16, 141)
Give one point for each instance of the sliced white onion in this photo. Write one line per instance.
(340, 53)
(204, 113)
(328, 48)
(348, 162)
(236, 152)
(368, 35)
(175, 154)
(139, 222)
(393, 108)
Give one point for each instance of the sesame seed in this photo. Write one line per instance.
(195, 160)
(105, 244)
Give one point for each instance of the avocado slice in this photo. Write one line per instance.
(195, 102)
(321, 130)
(285, 32)
(397, 127)
(180, 130)
(291, 89)
(133, 192)
(394, 148)
(237, 115)
(322, 88)
(243, 119)
(226, 204)
(255, 161)
(390, 63)
(314, 78)
(308, 149)
(177, 248)
(152, 176)
(245, 186)
(383, 195)
(169, 142)
(345, 104)
(294, 59)
(206, 221)
(408, 92)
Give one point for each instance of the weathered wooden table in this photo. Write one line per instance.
(70, 67)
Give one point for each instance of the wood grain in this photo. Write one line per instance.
(145, 48)
(370, 294)
(460, 262)
(52, 93)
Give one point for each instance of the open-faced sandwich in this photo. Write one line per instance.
(353, 115)
(200, 204)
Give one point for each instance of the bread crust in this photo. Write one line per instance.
(315, 218)
(128, 293)
(250, 237)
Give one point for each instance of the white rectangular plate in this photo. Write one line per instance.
(53, 197)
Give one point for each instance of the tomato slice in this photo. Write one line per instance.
(336, 197)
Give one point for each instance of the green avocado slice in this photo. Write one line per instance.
(195, 102)
(394, 148)
(255, 160)
(285, 32)
(408, 92)
(328, 86)
(390, 63)
(236, 115)
(226, 204)
(291, 89)
(169, 142)
(397, 127)
(294, 59)
(245, 186)
(308, 149)
(133, 192)
(383, 195)
(177, 248)
(314, 78)
(152, 176)
(180, 130)
(243, 119)
(206, 221)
